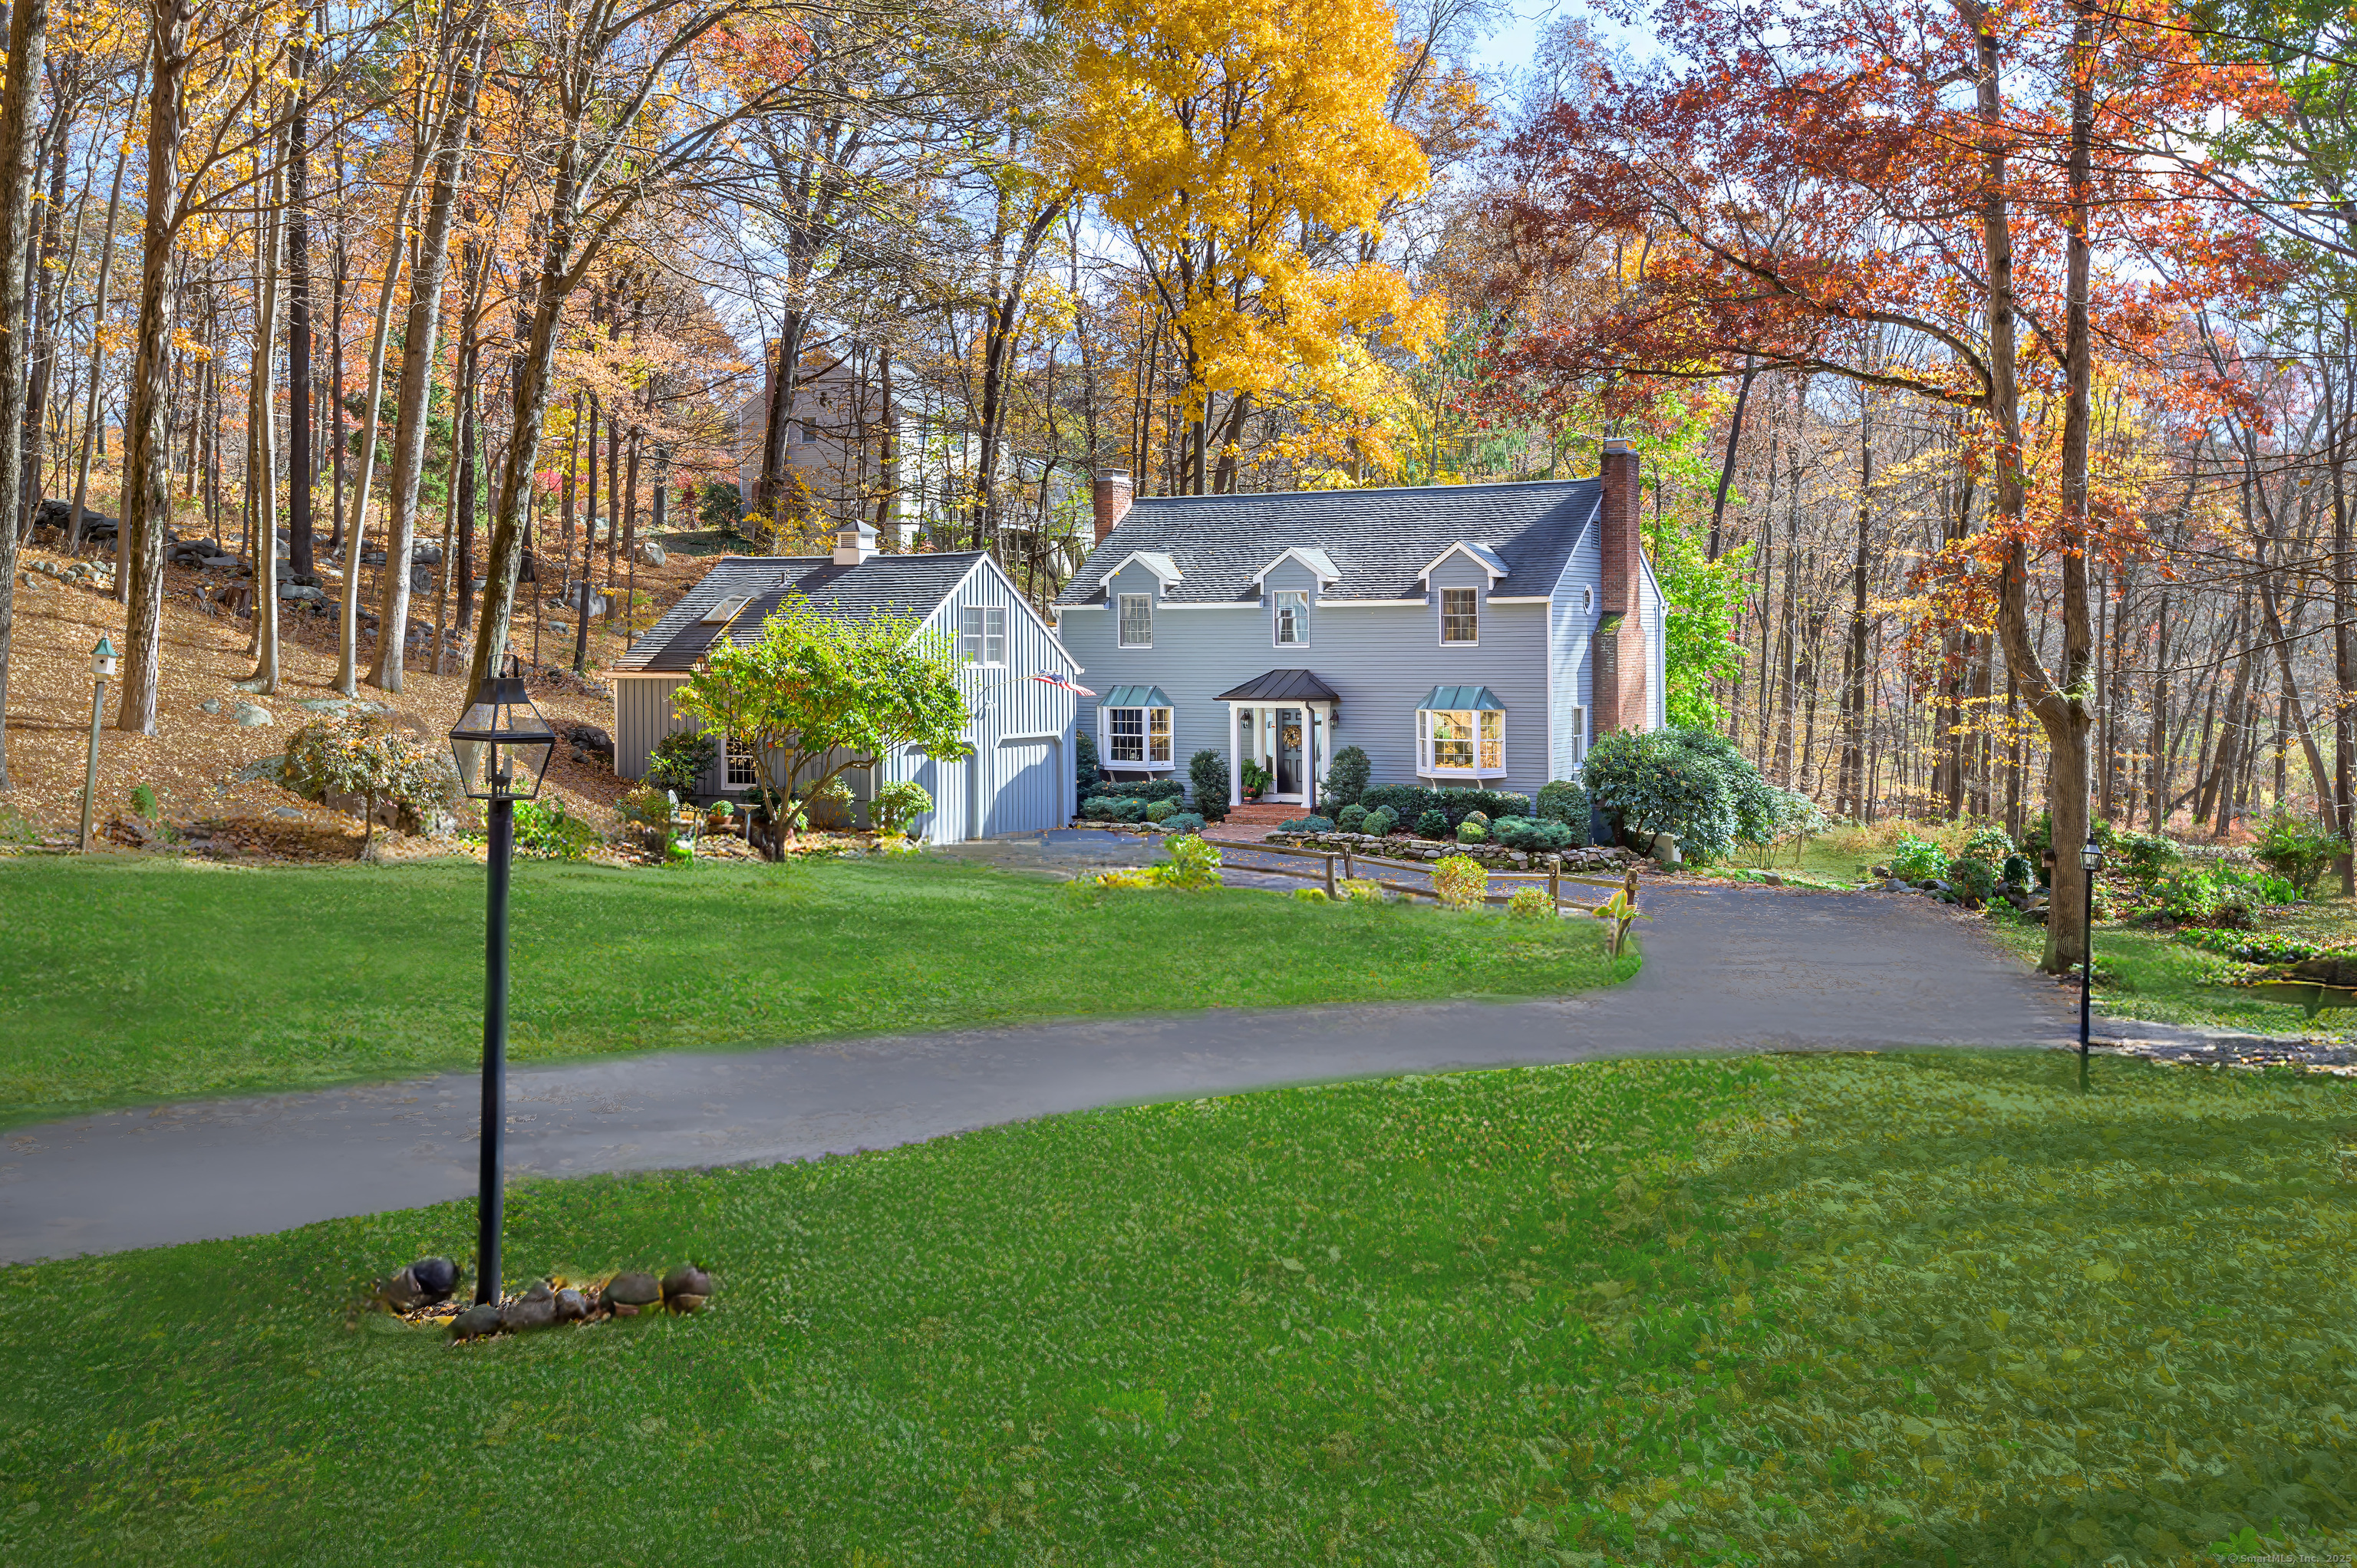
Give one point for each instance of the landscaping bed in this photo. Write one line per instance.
(1599, 860)
(1934, 1307)
(140, 978)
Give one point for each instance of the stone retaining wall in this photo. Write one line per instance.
(1605, 862)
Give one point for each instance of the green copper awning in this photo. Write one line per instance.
(1477, 699)
(1134, 697)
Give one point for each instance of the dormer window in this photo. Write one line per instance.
(1291, 609)
(1137, 620)
(1460, 615)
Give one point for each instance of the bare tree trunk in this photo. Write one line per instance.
(28, 29)
(261, 447)
(146, 482)
(417, 353)
(355, 531)
(299, 460)
(93, 416)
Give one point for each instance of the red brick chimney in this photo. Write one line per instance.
(1618, 651)
(1113, 501)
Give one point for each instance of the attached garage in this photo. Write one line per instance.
(1027, 790)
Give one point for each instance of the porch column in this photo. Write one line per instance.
(1309, 758)
(1235, 763)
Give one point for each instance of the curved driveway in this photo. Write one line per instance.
(1726, 969)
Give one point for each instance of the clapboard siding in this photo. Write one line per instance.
(1572, 615)
(642, 716)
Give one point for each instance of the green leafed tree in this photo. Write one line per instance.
(1699, 647)
(817, 695)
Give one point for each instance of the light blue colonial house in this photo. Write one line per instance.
(1021, 775)
(1474, 636)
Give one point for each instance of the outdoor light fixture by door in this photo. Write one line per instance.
(2091, 860)
(102, 664)
(502, 746)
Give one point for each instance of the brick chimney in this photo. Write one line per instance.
(1112, 499)
(1618, 650)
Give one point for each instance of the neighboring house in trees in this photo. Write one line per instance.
(1467, 635)
(1021, 775)
(844, 444)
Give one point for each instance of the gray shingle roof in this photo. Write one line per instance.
(1378, 540)
(905, 585)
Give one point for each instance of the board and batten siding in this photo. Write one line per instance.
(642, 716)
(1381, 658)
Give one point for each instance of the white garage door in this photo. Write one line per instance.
(1031, 795)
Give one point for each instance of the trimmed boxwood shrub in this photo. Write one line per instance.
(1537, 835)
(1432, 824)
(1471, 831)
(1409, 803)
(1158, 810)
(1351, 818)
(1144, 789)
(1380, 821)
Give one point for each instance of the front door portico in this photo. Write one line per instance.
(1283, 724)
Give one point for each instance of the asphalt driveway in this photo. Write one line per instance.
(1726, 969)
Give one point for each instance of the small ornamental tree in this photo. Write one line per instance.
(355, 756)
(816, 695)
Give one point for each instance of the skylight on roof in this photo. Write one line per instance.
(720, 614)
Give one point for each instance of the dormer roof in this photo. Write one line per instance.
(1321, 565)
(1378, 543)
(1480, 555)
(1154, 560)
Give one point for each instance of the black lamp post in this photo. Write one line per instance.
(2091, 859)
(502, 746)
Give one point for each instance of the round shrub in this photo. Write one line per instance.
(1433, 824)
(1989, 845)
(1129, 810)
(897, 805)
(1528, 904)
(1565, 801)
(1480, 817)
(1470, 832)
(680, 761)
(1916, 859)
(1351, 818)
(1099, 808)
(1460, 880)
(1156, 811)
(1309, 895)
(1973, 879)
(2016, 870)
(1535, 835)
(1312, 823)
(1380, 821)
(1689, 782)
(1183, 822)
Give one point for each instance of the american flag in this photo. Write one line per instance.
(1067, 683)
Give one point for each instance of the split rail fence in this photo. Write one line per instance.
(1554, 877)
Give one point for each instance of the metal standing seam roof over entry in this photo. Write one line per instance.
(1281, 686)
(1476, 698)
(1134, 697)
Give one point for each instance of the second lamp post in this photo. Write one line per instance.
(502, 746)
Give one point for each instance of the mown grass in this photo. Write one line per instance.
(1931, 1308)
(123, 981)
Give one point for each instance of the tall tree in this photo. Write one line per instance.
(28, 29)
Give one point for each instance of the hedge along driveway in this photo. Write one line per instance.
(126, 980)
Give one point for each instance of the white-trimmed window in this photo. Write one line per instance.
(1137, 620)
(982, 634)
(1460, 615)
(744, 772)
(1462, 740)
(1137, 737)
(1291, 608)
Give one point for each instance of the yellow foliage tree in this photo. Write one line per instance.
(1239, 145)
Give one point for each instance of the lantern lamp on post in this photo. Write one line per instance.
(104, 661)
(2091, 861)
(503, 747)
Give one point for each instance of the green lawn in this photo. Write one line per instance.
(2145, 973)
(123, 980)
(1930, 1308)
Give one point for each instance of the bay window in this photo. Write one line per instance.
(1461, 731)
(1137, 737)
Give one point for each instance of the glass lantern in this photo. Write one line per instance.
(501, 745)
(2091, 857)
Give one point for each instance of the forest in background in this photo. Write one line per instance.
(1991, 366)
